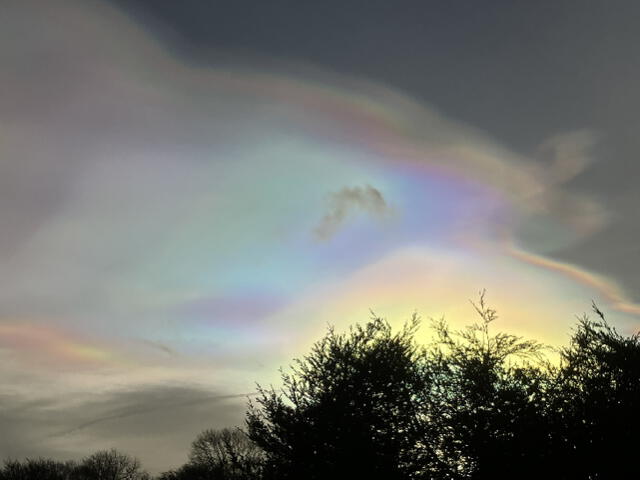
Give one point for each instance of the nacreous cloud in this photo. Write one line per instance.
(159, 223)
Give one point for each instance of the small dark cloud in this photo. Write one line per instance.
(344, 203)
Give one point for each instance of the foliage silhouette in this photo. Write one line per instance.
(229, 453)
(40, 468)
(484, 403)
(102, 465)
(225, 454)
(348, 409)
(189, 472)
(470, 405)
(110, 465)
(594, 409)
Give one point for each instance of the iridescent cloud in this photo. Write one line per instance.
(154, 201)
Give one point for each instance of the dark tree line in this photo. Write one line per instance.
(102, 465)
(469, 405)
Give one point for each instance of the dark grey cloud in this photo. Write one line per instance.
(521, 70)
(22, 422)
(156, 423)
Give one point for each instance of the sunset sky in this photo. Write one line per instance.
(191, 191)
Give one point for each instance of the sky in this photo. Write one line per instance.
(190, 192)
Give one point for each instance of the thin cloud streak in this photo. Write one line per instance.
(146, 410)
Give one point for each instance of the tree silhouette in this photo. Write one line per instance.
(484, 402)
(190, 472)
(40, 468)
(347, 410)
(227, 453)
(595, 403)
(111, 465)
(372, 403)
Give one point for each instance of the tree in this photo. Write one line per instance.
(595, 403)
(227, 453)
(372, 403)
(40, 468)
(347, 410)
(111, 465)
(485, 403)
(189, 472)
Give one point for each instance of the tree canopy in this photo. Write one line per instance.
(101, 465)
(594, 420)
(353, 395)
(472, 404)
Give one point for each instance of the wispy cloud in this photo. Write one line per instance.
(568, 154)
(156, 399)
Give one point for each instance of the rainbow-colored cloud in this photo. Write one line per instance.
(167, 221)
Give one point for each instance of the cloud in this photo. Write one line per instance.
(22, 422)
(155, 422)
(159, 346)
(140, 195)
(148, 401)
(556, 216)
(568, 154)
(346, 202)
(248, 308)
